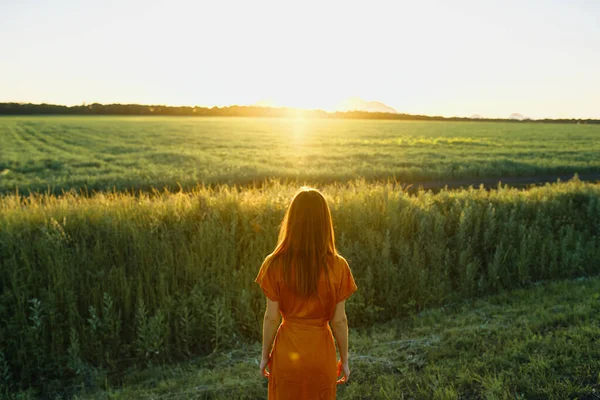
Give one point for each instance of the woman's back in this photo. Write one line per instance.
(303, 360)
(335, 284)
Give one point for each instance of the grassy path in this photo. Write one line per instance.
(535, 343)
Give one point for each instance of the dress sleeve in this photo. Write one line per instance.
(347, 284)
(268, 283)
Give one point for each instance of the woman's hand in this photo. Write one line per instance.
(263, 367)
(345, 369)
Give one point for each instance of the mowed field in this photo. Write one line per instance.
(56, 153)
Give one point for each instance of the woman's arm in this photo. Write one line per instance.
(270, 323)
(339, 326)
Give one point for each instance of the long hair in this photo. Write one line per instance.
(306, 245)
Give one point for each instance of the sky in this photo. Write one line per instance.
(449, 58)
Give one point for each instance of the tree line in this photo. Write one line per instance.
(237, 111)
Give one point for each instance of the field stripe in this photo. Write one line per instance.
(47, 140)
(21, 135)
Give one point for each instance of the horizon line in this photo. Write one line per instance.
(474, 117)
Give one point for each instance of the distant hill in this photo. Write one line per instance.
(518, 117)
(358, 104)
(475, 116)
(263, 103)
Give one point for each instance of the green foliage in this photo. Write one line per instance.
(222, 324)
(5, 377)
(56, 153)
(150, 344)
(95, 285)
(74, 361)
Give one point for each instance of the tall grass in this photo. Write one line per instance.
(91, 285)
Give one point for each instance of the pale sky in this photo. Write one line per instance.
(451, 58)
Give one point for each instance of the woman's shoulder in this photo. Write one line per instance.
(340, 259)
(339, 263)
(272, 264)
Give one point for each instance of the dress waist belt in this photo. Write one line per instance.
(301, 325)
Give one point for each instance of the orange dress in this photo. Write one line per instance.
(303, 361)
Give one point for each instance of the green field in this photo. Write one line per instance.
(115, 288)
(104, 153)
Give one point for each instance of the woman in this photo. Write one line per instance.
(307, 282)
